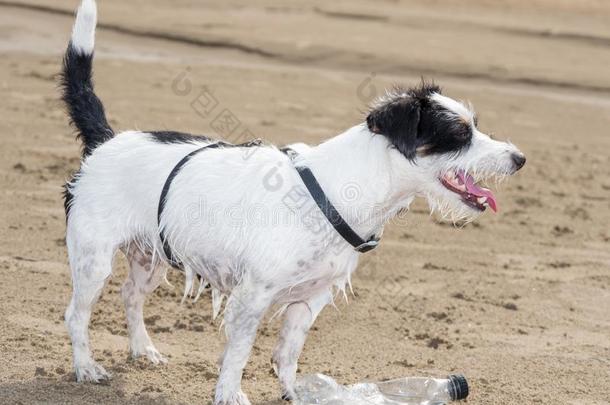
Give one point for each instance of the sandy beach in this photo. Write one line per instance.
(518, 301)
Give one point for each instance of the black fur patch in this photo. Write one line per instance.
(84, 107)
(169, 137)
(416, 124)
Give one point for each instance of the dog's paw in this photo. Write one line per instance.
(239, 398)
(92, 372)
(151, 353)
(154, 356)
(288, 396)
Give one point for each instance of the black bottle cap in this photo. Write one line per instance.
(458, 387)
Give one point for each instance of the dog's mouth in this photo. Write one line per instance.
(473, 195)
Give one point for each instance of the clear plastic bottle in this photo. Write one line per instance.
(323, 390)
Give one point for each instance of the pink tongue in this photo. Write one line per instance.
(477, 191)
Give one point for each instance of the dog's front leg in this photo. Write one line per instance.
(298, 319)
(244, 311)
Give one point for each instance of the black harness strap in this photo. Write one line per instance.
(163, 199)
(329, 210)
(314, 188)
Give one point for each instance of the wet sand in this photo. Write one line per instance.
(518, 301)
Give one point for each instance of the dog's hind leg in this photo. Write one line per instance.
(145, 274)
(298, 319)
(91, 264)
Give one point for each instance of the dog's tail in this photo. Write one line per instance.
(84, 107)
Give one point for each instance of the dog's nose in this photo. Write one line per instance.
(518, 160)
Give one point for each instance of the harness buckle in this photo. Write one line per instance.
(367, 246)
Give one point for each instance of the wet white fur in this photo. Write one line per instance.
(228, 220)
(226, 225)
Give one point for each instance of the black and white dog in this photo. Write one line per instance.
(138, 191)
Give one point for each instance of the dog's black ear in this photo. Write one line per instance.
(399, 121)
